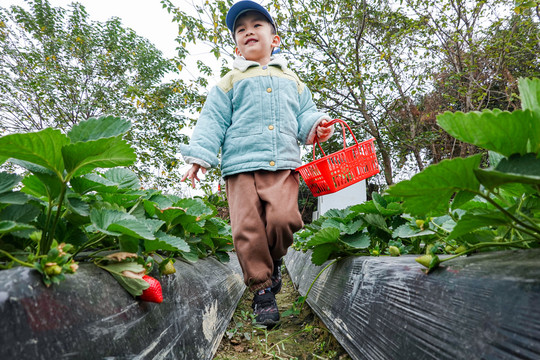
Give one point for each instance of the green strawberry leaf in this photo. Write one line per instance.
(78, 206)
(8, 226)
(195, 207)
(166, 242)
(43, 184)
(132, 227)
(378, 221)
(125, 200)
(83, 157)
(98, 128)
(446, 222)
(153, 224)
(494, 158)
(343, 225)
(470, 222)
(115, 223)
(8, 181)
(101, 220)
(14, 198)
(92, 182)
(406, 231)
(332, 222)
(170, 215)
(128, 244)
(222, 256)
(430, 191)
(462, 198)
(133, 286)
(321, 253)
(352, 227)
(343, 214)
(155, 202)
(357, 241)
(365, 208)
(529, 92)
(516, 169)
(124, 178)
(190, 256)
(326, 235)
(26, 213)
(379, 201)
(42, 148)
(491, 130)
(191, 225)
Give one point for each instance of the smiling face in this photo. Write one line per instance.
(255, 37)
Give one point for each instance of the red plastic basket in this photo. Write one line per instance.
(336, 171)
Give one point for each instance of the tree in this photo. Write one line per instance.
(483, 48)
(58, 67)
(376, 63)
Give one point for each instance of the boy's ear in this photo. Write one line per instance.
(237, 51)
(276, 41)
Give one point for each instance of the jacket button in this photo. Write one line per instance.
(269, 90)
(272, 163)
(270, 127)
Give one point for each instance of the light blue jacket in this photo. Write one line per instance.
(257, 115)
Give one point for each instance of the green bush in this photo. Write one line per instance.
(77, 196)
(456, 206)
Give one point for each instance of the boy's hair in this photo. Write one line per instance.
(240, 8)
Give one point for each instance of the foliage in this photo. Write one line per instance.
(388, 67)
(456, 206)
(68, 197)
(58, 67)
(483, 48)
(495, 206)
(364, 229)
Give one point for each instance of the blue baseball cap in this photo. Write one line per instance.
(243, 6)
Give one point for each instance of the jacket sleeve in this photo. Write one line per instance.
(308, 118)
(208, 135)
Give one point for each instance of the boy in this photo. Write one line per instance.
(257, 114)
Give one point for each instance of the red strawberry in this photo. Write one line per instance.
(153, 293)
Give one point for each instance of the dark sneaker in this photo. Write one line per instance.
(265, 308)
(276, 277)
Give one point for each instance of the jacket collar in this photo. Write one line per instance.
(242, 64)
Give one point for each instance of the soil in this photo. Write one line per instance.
(301, 336)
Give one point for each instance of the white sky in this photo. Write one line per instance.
(147, 18)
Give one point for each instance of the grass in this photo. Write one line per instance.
(300, 336)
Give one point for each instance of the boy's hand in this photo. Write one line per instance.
(323, 133)
(192, 174)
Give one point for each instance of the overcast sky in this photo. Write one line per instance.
(146, 17)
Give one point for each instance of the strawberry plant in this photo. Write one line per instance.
(456, 206)
(480, 207)
(76, 192)
(364, 229)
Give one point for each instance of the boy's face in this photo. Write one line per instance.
(254, 38)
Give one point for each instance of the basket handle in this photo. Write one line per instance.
(330, 123)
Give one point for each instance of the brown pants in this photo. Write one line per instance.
(264, 215)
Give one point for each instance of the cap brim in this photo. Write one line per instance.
(243, 6)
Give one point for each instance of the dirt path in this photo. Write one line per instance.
(300, 336)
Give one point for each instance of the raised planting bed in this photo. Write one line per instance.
(90, 316)
(484, 306)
